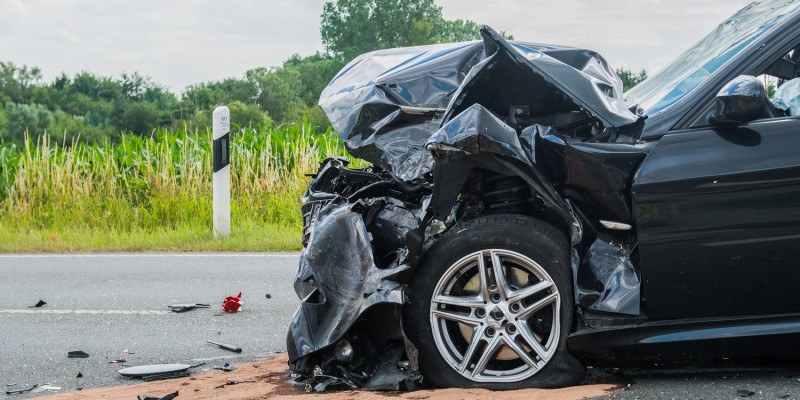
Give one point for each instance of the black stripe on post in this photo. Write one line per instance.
(221, 147)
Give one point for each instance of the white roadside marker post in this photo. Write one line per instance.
(222, 172)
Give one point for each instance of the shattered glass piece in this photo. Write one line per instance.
(77, 354)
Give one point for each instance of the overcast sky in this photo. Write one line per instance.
(180, 42)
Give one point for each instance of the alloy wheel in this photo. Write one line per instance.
(495, 316)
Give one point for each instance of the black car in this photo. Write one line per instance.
(522, 219)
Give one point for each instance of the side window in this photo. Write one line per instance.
(781, 81)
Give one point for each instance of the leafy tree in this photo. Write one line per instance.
(315, 72)
(278, 90)
(629, 78)
(242, 116)
(353, 27)
(138, 117)
(21, 118)
(16, 83)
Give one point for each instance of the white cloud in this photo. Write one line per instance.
(181, 42)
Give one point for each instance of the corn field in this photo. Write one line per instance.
(159, 182)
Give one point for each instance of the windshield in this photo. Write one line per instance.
(691, 68)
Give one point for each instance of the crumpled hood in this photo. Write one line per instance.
(386, 104)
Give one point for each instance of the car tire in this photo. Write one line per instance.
(455, 298)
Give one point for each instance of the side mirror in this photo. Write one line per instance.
(741, 100)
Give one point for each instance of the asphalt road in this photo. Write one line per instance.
(106, 303)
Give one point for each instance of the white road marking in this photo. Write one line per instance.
(134, 255)
(102, 312)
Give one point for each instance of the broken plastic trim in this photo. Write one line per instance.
(605, 279)
(338, 267)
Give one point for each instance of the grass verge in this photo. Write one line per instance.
(155, 193)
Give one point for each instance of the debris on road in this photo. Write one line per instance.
(46, 388)
(169, 396)
(77, 354)
(226, 346)
(39, 304)
(20, 391)
(745, 393)
(156, 371)
(232, 304)
(228, 367)
(80, 375)
(269, 296)
(118, 361)
(161, 377)
(179, 308)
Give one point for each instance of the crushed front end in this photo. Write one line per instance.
(455, 132)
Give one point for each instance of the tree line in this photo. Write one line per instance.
(99, 108)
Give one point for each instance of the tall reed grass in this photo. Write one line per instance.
(159, 183)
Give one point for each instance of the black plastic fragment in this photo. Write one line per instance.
(179, 308)
(20, 391)
(269, 296)
(80, 375)
(39, 304)
(228, 347)
(745, 393)
(77, 354)
(118, 361)
(161, 377)
(168, 396)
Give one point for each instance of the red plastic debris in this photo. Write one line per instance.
(232, 304)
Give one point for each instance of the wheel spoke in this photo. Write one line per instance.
(459, 301)
(499, 275)
(547, 300)
(457, 317)
(477, 334)
(484, 275)
(527, 335)
(487, 355)
(524, 293)
(520, 351)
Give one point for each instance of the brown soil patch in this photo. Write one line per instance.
(269, 380)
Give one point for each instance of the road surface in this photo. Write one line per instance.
(104, 304)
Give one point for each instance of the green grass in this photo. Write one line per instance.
(154, 193)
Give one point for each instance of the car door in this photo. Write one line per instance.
(718, 221)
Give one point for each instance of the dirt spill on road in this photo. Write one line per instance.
(270, 380)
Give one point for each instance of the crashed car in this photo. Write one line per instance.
(523, 219)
